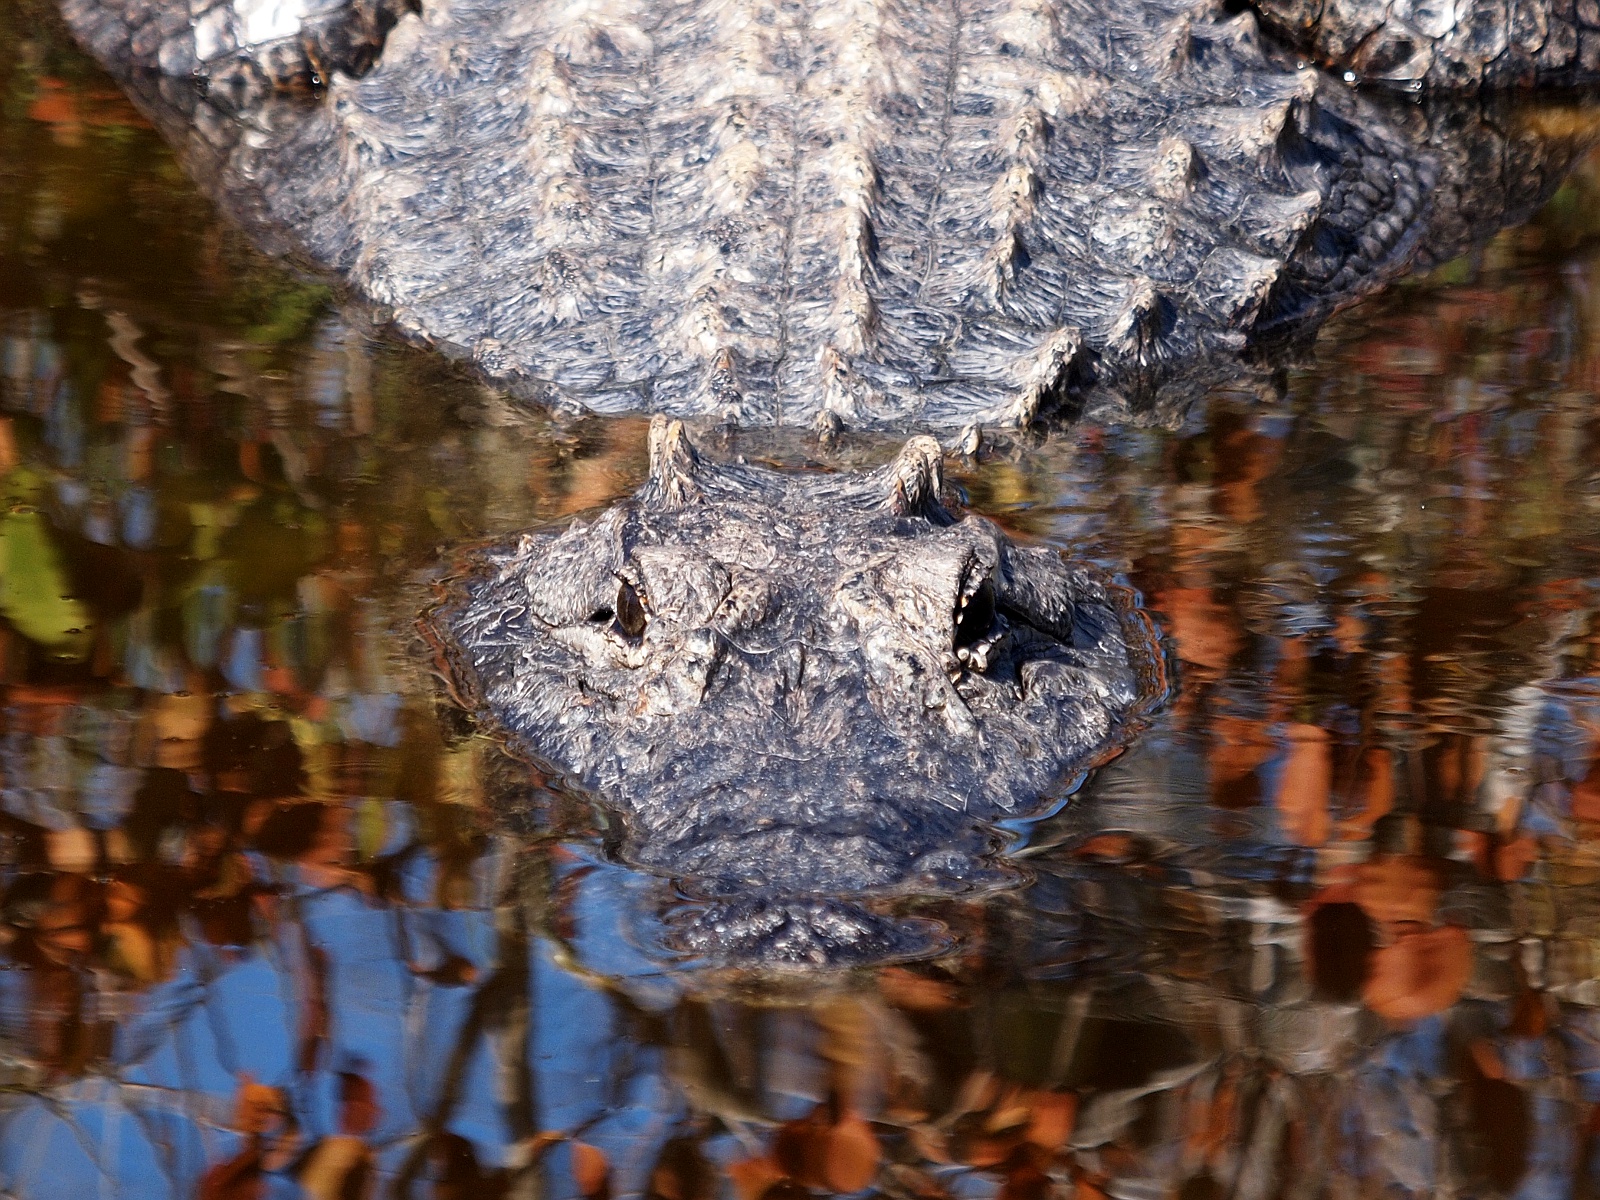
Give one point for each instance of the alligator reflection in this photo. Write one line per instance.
(1330, 927)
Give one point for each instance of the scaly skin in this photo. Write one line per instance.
(243, 50)
(1456, 44)
(792, 686)
(857, 212)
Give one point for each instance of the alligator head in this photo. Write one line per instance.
(798, 684)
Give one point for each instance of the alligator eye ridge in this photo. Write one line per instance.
(630, 611)
(975, 617)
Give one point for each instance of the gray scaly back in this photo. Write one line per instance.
(861, 212)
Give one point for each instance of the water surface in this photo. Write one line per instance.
(277, 921)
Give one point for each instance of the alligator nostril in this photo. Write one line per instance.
(630, 611)
(975, 618)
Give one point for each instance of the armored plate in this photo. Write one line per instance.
(1456, 44)
(867, 212)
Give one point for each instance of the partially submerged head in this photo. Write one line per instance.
(802, 683)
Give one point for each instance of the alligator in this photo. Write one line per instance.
(807, 696)
(802, 692)
(859, 213)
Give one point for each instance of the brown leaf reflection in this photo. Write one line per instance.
(1420, 973)
(1586, 796)
(917, 992)
(1240, 748)
(313, 1031)
(1025, 1178)
(338, 1168)
(456, 1172)
(833, 1149)
(1339, 941)
(1050, 1117)
(682, 1173)
(1201, 628)
(1373, 792)
(1398, 889)
(1010, 1125)
(1304, 789)
(1378, 938)
(590, 1171)
(264, 1116)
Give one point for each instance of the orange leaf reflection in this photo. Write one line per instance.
(1303, 790)
(1420, 974)
(590, 1170)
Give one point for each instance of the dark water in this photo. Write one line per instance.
(1332, 927)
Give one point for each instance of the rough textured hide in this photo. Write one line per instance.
(798, 685)
(864, 212)
(244, 49)
(1457, 44)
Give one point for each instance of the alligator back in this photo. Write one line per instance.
(867, 212)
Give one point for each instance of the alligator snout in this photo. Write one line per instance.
(782, 681)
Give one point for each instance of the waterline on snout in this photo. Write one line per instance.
(921, 692)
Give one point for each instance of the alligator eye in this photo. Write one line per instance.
(630, 611)
(975, 618)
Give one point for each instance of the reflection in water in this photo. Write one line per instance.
(277, 922)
